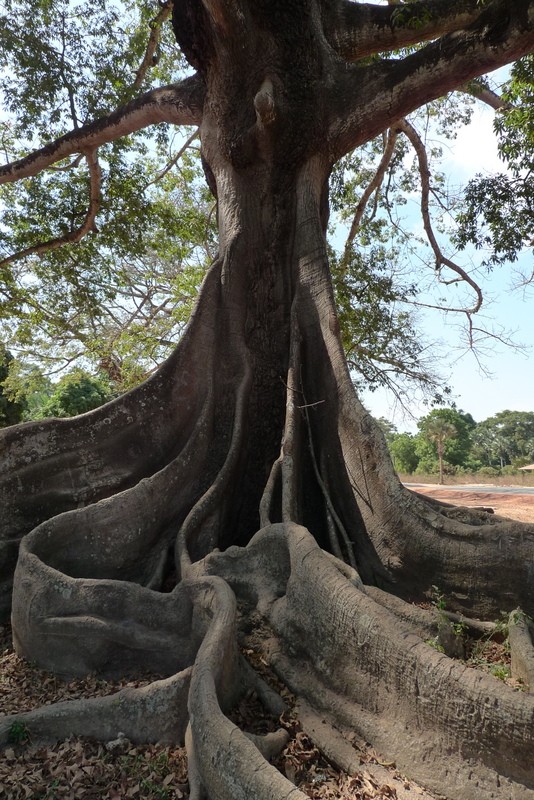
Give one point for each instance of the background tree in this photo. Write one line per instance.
(504, 438)
(11, 411)
(439, 430)
(76, 393)
(251, 434)
(496, 212)
(445, 434)
(403, 448)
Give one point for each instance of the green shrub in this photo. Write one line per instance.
(491, 472)
(509, 469)
(18, 733)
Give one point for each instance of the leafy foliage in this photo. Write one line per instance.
(62, 68)
(504, 438)
(126, 318)
(437, 430)
(450, 429)
(83, 302)
(403, 450)
(498, 211)
(11, 410)
(76, 393)
(379, 336)
(118, 300)
(499, 444)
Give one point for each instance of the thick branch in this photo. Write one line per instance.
(153, 41)
(480, 91)
(193, 30)
(360, 30)
(424, 172)
(370, 99)
(219, 12)
(76, 235)
(180, 104)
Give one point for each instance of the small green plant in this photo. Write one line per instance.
(403, 16)
(438, 599)
(50, 792)
(500, 671)
(491, 652)
(451, 635)
(18, 733)
(520, 616)
(152, 770)
(501, 625)
(459, 628)
(157, 791)
(435, 644)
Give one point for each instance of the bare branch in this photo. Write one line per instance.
(174, 160)
(375, 184)
(64, 361)
(424, 172)
(180, 104)
(498, 337)
(50, 318)
(71, 165)
(524, 279)
(88, 225)
(153, 41)
(481, 92)
(66, 82)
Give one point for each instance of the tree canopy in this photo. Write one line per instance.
(504, 441)
(506, 438)
(89, 273)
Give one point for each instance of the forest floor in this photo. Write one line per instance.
(83, 769)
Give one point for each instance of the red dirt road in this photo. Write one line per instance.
(515, 506)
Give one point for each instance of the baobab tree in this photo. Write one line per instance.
(244, 484)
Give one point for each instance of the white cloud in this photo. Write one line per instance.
(475, 148)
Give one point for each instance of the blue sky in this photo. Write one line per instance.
(503, 377)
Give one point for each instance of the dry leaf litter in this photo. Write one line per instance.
(84, 769)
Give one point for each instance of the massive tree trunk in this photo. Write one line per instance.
(246, 470)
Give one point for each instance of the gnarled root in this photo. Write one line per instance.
(358, 662)
(153, 713)
(521, 640)
(456, 730)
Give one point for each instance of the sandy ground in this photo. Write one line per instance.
(515, 506)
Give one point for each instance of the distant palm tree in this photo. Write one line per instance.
(439, 431)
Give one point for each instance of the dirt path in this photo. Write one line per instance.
(515, 506)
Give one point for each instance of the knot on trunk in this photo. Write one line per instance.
(264, 103)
